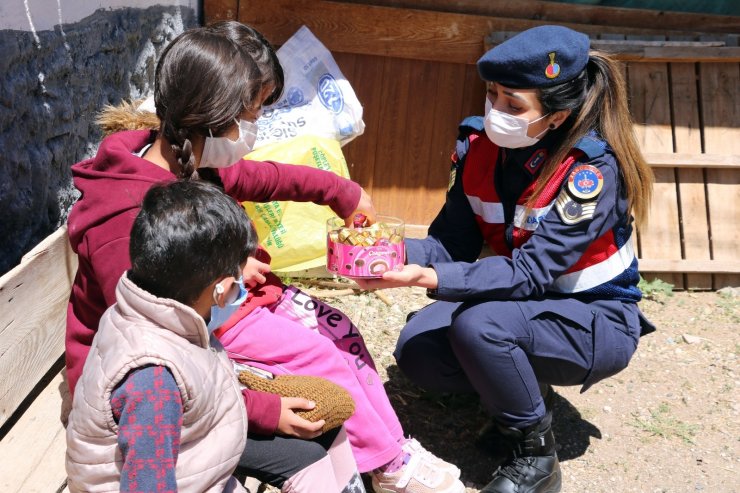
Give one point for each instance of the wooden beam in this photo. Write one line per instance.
(638, 53)
(33, 308)
(686, 160)
(689, 266)
(32, 453)
(637, 50)
(389, 31)
(595, 15)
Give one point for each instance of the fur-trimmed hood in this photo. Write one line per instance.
(128, 115)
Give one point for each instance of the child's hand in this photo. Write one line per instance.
(365, 207)
(254, 272)
(293, 425)
(411, 275)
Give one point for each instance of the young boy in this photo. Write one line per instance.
(158, 406)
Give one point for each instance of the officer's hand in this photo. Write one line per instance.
(410, 275)
(254, 272)
(293, 425)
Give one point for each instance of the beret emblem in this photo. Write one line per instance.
(553, 69)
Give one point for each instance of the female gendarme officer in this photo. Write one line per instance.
(548, 179)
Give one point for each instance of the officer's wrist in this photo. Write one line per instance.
(429, 278)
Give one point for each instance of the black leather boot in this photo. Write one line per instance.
(496, 444)
(533, 467)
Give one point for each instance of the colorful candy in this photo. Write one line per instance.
(365, 250)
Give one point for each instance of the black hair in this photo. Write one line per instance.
(566, 96)
(187, 235)
(203, 82)
(261, 51)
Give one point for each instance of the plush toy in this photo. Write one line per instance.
(333, 403)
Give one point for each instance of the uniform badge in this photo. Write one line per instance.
(536, 161)
(553, 69)
(572, 211)
(585, 182)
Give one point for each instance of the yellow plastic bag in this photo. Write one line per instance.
(294, 233)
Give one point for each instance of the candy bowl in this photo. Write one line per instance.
(365, 251)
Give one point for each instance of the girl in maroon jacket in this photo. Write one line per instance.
(210, 86)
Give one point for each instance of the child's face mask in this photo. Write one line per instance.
(222, 152)
(507, 130)
(237, 295)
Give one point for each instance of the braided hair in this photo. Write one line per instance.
(204, 81)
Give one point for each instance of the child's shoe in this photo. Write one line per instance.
(412, 446)
(417, 476)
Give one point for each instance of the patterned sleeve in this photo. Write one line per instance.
(148, 409)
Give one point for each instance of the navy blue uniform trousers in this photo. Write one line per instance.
(502, 349)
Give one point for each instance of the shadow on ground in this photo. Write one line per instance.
(447, 425)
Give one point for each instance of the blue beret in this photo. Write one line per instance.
(543, 56)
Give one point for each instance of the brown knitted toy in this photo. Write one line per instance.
(333, 403)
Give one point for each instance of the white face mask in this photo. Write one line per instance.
(507, 130)
(222, 152)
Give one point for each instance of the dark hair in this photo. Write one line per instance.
(261, 51)
(187, 235)
(204, 81)
(597, 99)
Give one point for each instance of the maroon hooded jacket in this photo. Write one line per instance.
(113, 184)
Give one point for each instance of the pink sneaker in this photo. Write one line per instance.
(417, 476)
(412, 446)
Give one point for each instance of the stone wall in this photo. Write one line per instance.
(52, 84)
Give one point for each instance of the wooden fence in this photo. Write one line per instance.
(412, 65)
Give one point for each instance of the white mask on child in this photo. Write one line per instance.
(220, 315)
(222, 152)
(507, 130)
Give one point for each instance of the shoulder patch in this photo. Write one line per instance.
(572, 211)
(585, 182)
(534, 162)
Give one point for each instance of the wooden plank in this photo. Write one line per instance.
(32, 453)
(720, 106)
(685, 159)
(689, 266)
(632, 50)
(395, 176)
(474, 93)
(372, 30)
(376, 30)
(692, 196)
(724, 54)
(367, 81)
(442, 125)
(650, 106)
(555, 12)
(217, 10)
(33, 300)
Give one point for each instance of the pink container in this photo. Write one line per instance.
(365, 252)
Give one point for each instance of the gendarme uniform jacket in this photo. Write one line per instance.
(565, 246)
(571, 255)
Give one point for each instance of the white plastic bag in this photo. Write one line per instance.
(317, 100)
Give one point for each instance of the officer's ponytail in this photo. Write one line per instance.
(597, 99)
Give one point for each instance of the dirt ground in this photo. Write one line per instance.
(670, 422)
